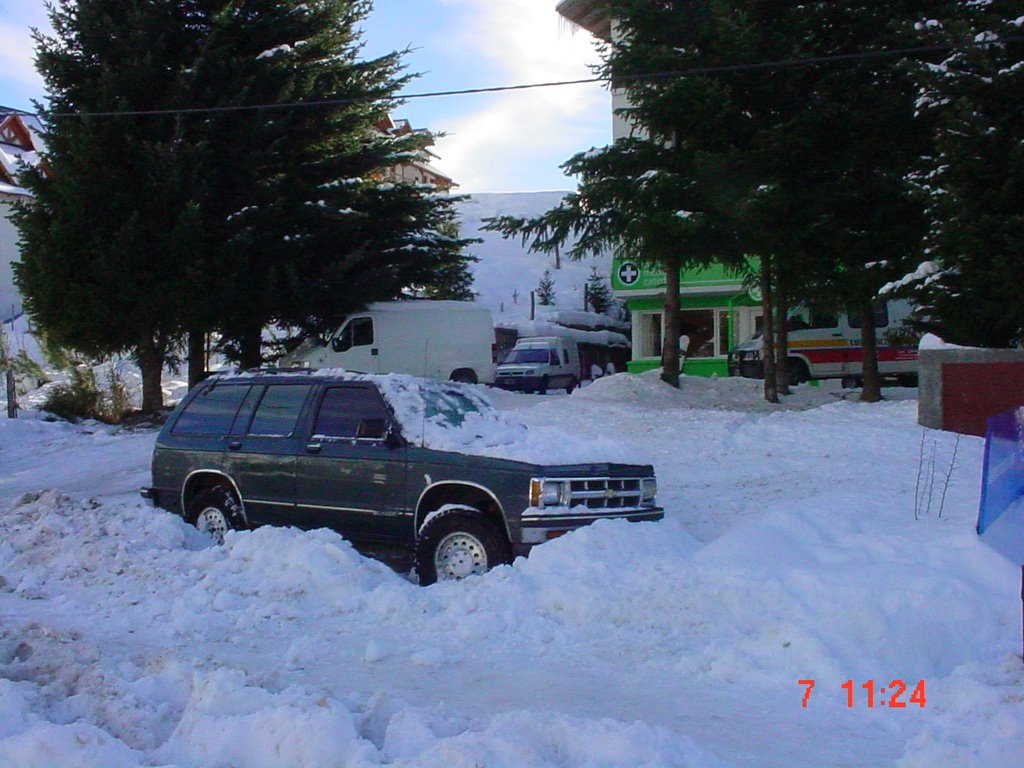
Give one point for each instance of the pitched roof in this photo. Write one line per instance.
(20, 142)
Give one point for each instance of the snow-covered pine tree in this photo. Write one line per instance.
(974, 179)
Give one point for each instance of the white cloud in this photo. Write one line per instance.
(516, 140)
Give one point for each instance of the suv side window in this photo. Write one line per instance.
(212, 411)
(278, 411)
(342, 408)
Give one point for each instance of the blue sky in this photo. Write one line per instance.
(495, 143)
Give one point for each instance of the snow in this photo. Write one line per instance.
(462, 418)
(507, 271)
(926, 272)
(931, 341)
(796, 545)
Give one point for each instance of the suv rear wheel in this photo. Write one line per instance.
(457, 543)
(216, 511)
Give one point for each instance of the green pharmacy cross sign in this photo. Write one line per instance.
(630, 275)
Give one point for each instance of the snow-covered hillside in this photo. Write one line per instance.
(506, 267)
(801, 543)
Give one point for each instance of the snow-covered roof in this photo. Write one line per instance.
(20, 143)
(461, 418)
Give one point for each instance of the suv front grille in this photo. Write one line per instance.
(605, 492)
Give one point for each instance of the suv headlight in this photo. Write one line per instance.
(649, 489)
(549, 493)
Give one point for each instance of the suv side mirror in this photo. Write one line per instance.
(394, 439)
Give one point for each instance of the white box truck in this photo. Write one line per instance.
(445, 340)
(539, 363)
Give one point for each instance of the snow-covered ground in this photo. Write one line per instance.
(803, 542)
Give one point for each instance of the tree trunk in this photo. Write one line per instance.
(670, 331)
(250, 349)
(771, 391)
(196, 357)
(781, 335)
(149, 356)
(872, 391)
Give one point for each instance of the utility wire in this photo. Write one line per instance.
(617, 79)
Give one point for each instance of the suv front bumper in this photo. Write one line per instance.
(539, 526)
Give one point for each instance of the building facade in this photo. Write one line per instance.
(418, 168)
(718, 311)
(20, 143)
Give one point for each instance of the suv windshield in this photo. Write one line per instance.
(450, 405)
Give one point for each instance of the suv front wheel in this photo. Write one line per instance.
(457, 543)
(216, 511)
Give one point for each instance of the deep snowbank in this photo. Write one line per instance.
(790, 551)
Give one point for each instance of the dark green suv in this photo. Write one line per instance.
(390, 460)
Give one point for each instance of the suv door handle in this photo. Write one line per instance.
(313, 448)
(374, 351)
(234, 445)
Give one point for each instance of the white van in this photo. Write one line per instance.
(435, 339)
(827, 345)
(538, 363)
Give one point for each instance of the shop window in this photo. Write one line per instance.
(699, 325)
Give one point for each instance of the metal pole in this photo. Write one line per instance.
(533, 305)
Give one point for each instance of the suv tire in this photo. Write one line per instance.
(216, 511)
(457, 543)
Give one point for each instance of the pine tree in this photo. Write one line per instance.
(304, 228)
(804, 166)
(546, 289)
(974, 181)
(599, 294)
(843, 159)
(106, 234)
(151, 226)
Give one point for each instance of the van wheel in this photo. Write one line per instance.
(543, 388)
(571, 385)
(796, 370)
(215, 511)
(464, 376)
(458, 543)
(850, 382)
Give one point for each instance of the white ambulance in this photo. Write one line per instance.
(824, 345)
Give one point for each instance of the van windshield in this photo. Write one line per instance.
(528, 356)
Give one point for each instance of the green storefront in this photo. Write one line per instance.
(717, 313)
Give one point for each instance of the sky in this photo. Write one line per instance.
(504, 142)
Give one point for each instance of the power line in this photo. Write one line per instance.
(617, 79)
